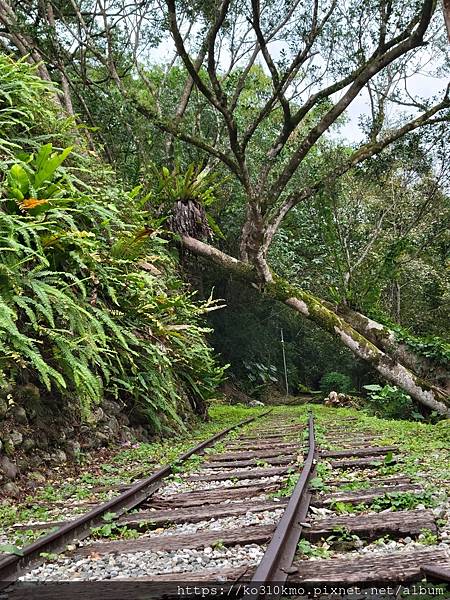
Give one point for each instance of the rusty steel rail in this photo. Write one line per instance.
(277, 560)
(12, 566)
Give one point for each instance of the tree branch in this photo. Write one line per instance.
(375, 64)
(185, 137)
(366, 151)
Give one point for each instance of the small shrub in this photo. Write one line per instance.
(259, 377)
(336, 382)
(391, 402)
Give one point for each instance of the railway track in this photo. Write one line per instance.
(268, 505)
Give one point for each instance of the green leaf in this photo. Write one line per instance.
(135, 191)
(417, 416)
(388, 459)
(18, 179)
(11, 549)
(42, 156)
(109, 516)
(16, 193)
(373, 387)
(316, 483)
(48, 167)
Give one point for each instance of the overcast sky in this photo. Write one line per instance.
(418, 84)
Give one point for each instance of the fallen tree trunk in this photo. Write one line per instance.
(314, 309)
(385, 339)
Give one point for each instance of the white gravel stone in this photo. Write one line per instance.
(141, 564)
(227, 523)
(178, 487)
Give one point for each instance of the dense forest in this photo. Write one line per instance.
(182, 180)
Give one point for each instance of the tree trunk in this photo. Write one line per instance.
(251, 245)
(312, 308)
(385, 339)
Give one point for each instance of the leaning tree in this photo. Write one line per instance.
(330, 52)
(320, 55)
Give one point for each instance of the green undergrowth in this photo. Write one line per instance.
(343, 540)
(92, 301)
(422, 447)
(288, 488)
(221, 417)
(392, 501)
(431, 346)
(110, 529)
(307, 550)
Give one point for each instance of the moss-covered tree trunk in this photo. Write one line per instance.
(313, 309)
(385, 339)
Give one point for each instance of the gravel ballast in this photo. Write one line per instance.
(178, 487)
(261, 518)
(142, 564)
